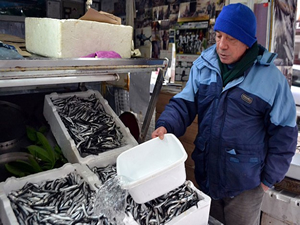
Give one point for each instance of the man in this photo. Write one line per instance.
(247, 129)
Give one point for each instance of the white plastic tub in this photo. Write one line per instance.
(68, 145)
(153, 168)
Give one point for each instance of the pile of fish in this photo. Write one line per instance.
(157, 211)
(164, 208)
(67, 200)
(92, 129)
(105, 173)
(70, 200)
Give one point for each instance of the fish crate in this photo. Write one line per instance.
(269, 220)
(196, 215)
(282, 205)
(14, 184)
(68, 145)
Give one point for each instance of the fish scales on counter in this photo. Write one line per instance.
(92, 129)
(157, 211)
(67, 200)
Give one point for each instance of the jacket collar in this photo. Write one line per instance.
(267, 57)
(208, 58)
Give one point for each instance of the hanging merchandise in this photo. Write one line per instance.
(283, 32)
(191, 37)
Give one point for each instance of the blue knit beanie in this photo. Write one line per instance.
(238, 21)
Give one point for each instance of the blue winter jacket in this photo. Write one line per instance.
(247, 130)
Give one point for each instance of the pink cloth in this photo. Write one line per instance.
(103, 54)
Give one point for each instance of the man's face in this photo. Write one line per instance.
(229, 49)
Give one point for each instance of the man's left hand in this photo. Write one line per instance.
(264, 187)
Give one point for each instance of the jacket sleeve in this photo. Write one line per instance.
(177, 116)
(182, 108)
(283, 135)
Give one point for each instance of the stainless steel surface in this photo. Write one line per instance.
(35, 72)
(13, 121)
(61, 77)
(11, 18)
(79, 64)
(152, 105)
(13, 156)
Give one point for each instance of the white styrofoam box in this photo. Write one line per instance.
(68, 145)
(196, 215)
(12, 184)
(294, 169)
(282, 205)
(72, 38)
(269, 220)
(152, 168)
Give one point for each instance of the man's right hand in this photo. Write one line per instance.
(159, 132)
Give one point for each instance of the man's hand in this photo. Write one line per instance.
(266, 188)
(159, 132)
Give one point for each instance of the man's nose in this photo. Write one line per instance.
(223, 43)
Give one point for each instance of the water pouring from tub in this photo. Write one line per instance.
(146, 171)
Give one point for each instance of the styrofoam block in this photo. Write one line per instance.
(282, 205)
(12, 184)
(196, 215)
(68, 145)
(63, 38)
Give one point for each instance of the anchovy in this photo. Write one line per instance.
(158, 211)
(67, 200)
(105, 173)
(92, 129)
(70, 200)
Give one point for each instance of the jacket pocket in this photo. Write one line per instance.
(242, 171)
